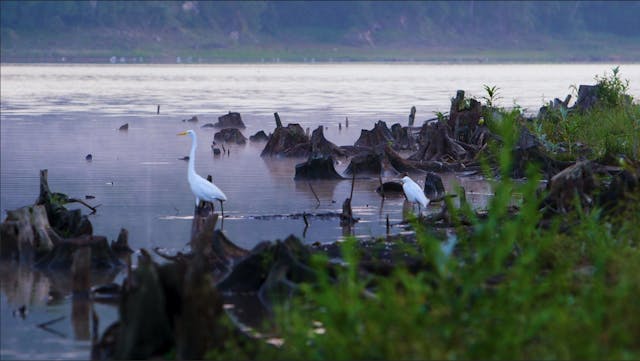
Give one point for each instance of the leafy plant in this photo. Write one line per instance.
(492, 95)
(612, 90)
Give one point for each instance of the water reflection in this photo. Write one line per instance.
(31, 294)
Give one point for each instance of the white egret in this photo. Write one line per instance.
(200, 187)
(414, 193)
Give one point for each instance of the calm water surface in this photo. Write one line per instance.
(52, 116)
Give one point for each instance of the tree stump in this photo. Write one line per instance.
(26, 233)
(289, 141)
(230, 120)
(317, 168)
(230, 135)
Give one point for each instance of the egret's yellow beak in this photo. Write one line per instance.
(182, 133)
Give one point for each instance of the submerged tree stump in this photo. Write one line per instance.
(321, 147)
(260, 136)
(289, 141)
(433, 187)
(317, 168)
(230, 135)
(26, 233)
(437, 145)
(230, 120)
(67, 223)
(379, 135)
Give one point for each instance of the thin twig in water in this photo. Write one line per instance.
(314, 193)
(381, 185)
(353, 181)
(45, 324)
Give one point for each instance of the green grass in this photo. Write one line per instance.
(607, 131)
(563, 293)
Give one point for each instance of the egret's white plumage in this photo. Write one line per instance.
(413, 192)
(201, 188)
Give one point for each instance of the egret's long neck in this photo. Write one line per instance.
(192, 155)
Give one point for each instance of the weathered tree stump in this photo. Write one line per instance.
(289, 141)
(230, 120)
(402, 137)
(121, 245)
(230, 135)
(438, 146)
(433, 187)
(464, 115)
(67, 223)
(317, 168)
(260, 136)
(529, 150)
(321, 147)
(278, 121)
(368, 163)
(379, 135)
(250, 273)
(587, 97)
(575, 181)
(412, 116)
(25, 234)
(390, 189)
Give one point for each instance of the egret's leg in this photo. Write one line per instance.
(222, 209)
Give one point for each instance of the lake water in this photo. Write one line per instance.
(52, 116)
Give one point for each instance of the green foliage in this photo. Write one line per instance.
(442, 117)
(607, 130)
(492, 95)
(512, 290)
(612, 91)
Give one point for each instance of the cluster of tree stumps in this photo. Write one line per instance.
(181, 305)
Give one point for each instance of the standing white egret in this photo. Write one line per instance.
(200, 187)
(414, 193)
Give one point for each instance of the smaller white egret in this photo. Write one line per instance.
(414, 193)
(200, 187)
